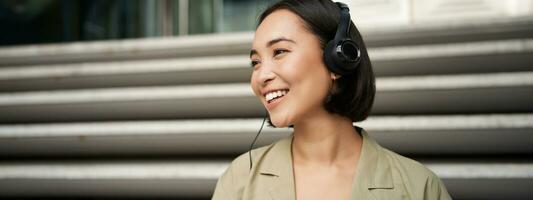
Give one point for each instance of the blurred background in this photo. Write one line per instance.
(149, 99)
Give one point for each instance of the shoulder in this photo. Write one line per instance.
(241, 164)
(417, 179)
(233, 181)
(407, 165)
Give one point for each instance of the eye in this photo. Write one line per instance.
(253, 63)
(279, 51)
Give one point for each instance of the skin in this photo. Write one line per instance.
(326, 147)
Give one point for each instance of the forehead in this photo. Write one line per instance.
(280, 23)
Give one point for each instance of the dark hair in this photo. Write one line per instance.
(353, 94)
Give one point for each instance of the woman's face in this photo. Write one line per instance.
(289, 76)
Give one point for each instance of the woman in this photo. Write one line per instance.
(306, 82)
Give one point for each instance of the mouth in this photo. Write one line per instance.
(275, 96)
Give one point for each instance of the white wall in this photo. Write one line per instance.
(370, 14)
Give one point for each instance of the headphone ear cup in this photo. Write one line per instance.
(330, 58)
(351, 57)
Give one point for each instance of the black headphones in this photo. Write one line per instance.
(342, 55)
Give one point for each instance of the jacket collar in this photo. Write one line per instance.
(373, 169)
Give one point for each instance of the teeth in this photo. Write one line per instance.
(273, 95)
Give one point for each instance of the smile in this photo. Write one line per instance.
(272, 96)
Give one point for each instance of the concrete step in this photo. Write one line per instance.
(449, 31)
(240, 43)
(485, 180)
(420, 135)
(430, 59)
(171, 178)
(110, 178)
(453, 58)
(178, 71)
(500, 93)
(131, 49)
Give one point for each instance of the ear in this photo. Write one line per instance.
(334, 76)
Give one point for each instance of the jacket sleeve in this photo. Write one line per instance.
(435, 189)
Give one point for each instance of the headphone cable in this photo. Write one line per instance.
(256, 136)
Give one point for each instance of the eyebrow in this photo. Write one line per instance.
(272, 42)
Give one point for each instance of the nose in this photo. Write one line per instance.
(265, 75)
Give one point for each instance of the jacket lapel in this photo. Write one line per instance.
(278, 165)
(373, 169)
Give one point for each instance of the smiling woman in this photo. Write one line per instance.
(311, 71)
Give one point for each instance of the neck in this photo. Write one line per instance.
(325, 139)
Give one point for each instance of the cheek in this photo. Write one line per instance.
(309, 64)
(254, 84)
(310, 81)
(311, 73)
(315, 86)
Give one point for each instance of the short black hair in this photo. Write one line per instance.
(354, 93)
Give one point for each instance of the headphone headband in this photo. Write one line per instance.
(344, 22)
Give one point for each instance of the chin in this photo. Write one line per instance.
(280, 123)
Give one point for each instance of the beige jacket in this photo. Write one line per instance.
(380, 174)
